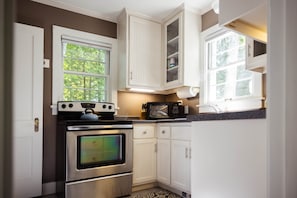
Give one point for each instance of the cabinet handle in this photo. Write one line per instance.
(156, 148)
(130, 75)
(36, 125)
(186, 152)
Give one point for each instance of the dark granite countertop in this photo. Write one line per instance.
(254, 114)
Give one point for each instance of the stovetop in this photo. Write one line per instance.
(73, 110)
(70, 112)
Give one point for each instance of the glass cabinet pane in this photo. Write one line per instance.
(172, 51)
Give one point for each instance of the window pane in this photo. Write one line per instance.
(86, 71)
(242, 73)
(221, 76)
(243, 88)
(220, 92)
(226, 49)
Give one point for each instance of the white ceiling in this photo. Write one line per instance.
(110, 9)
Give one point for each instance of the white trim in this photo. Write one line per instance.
(61, 32)
(49, 188)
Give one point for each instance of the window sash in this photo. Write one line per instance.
(240, 102)
(84, 90)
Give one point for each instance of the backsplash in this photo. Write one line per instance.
(130, 103)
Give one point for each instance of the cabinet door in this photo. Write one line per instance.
(163, 161)
(256, 57)
(144, 160)
(144, 53)
(27, 115)
(173, 51)
(180, 165)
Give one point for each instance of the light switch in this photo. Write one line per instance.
(46, 63)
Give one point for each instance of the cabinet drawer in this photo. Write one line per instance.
(164, 132)
(146, 131)
(181, 133)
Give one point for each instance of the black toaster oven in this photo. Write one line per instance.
(164, 110)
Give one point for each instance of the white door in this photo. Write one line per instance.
(27, 110)
(180, 165)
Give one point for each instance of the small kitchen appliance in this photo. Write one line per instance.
(97, 150)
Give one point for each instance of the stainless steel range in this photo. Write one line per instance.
(98, 150)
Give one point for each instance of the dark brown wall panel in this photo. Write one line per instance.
(44, 16)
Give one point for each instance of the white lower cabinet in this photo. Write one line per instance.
(174, 155)
(163, 161)
(180, 165)
(144, 154)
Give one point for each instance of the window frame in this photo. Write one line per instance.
(239, 104)
(57, 64)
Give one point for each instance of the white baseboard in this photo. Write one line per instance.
(49, 188)
(52, 187)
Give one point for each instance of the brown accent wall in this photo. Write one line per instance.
(130, 104)
(209, 19)
(44, 16)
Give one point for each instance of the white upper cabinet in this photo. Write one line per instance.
(256, 57)
(181, 41)
(247, 17)
(140, 52)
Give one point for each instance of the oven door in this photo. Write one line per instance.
(96, 153)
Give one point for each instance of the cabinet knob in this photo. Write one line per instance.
(144, 132)
(163, 132)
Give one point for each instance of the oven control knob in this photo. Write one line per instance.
(70, 105)
(109, 107)
(104, 106)
(63, 106)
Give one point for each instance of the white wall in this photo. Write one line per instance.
(229, 159)
(282, 97)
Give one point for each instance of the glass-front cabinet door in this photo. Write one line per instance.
(172, 50)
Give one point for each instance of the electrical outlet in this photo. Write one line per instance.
(46, 63)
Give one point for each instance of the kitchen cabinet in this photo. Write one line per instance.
(256, 57)
(180, 157)
(182, 50)
(229, 155)
(140, 52)
(144, 154)
(174, 169)
(247, 17)
(163, 155)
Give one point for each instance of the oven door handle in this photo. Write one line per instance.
(94, 127)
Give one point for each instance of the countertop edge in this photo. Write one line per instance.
(253, 114)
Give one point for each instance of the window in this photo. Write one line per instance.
(86, 71)
(84, 67)
(227, 84)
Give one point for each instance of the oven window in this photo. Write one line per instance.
(100, 150)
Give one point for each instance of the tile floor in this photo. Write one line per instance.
(150, 193)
